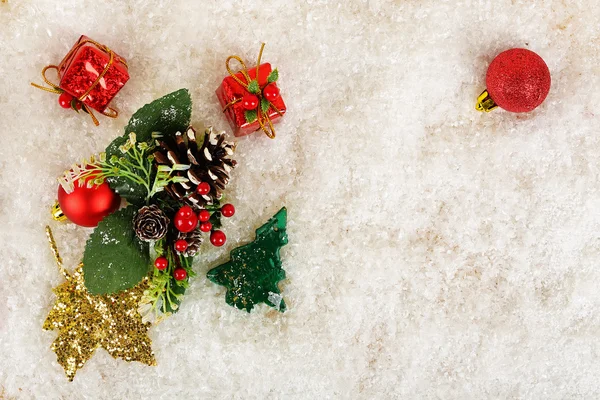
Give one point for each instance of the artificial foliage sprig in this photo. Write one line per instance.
(164, 294)
(134, 165)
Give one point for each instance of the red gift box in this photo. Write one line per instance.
(81, 67)
(231, 92)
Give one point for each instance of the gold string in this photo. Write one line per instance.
(54, 249)
(267, 128)
(53, 88)
(112, 113)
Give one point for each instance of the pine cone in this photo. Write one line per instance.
(150, 223)
(210, 163)
(193, 239)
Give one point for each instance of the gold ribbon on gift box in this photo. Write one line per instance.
(53, 88)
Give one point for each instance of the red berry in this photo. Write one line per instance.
(203, 188)
(181, 245)
(204, 215)
(65, 100)
(218, 238)
(271, 92)
(185, 212)
(205, 226)
(179, 274)
(161, 263)
(186, 225)
(249, 102)
(228, 210)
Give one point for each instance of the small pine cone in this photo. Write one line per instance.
(209, 161)
(194, 240)
(150, 223)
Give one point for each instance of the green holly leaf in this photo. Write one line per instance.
(264, 105)
(251, 116)
(254, 271)
(114, 258)
(273, 76)
(167, 115)
(74, 104)
(253, 87)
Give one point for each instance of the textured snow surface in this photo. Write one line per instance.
(435, 252)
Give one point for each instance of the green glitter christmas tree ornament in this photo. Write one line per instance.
(252, 274)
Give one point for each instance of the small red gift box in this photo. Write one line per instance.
(231, 92)
(81, 67)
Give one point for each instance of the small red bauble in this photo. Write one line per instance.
(204, 215)
(271, 92)
(203, 188)
(205, 226)
(185, 224)
(250, 102)
(185, 212)
(181, 245)
(179, 274)
(218, 238)
(161, 263)
(65, 100)
(88, 206)
(518, 80)
(228, 210)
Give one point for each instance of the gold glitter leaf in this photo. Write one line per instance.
(86, 322)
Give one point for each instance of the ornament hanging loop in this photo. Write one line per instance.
(485, 102)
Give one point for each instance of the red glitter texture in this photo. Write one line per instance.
(231, 90)
(81, 69)
(518, 80)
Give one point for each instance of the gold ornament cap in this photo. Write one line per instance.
(57, 212)
(485, 102)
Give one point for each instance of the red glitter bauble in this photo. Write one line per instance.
(518, 80)
(87, 206)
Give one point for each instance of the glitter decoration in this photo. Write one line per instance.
(254, 271)
(86, 322)
(518, 80)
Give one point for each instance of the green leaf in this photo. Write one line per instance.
(175, 289)
(253, 87)
(273, 76)
(114, 258)
(264, 105)
(168, 115)
(74, 104)
(251, 116)
(215, 220)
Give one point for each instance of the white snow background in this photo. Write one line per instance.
(435, 252)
